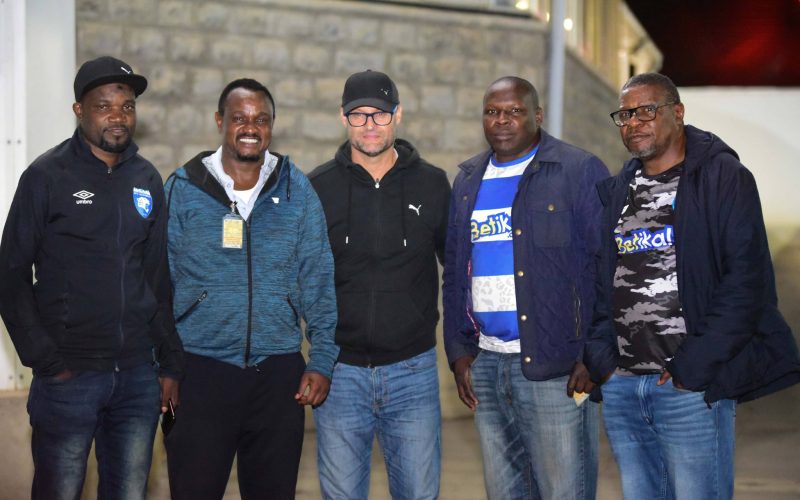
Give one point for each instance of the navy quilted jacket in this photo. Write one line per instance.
(738, 344)
(555, 222)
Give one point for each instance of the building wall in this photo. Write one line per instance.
(441, 60)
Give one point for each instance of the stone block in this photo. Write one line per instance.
(166, 80)
(294, 91)
(189, 151)
(329, 28)
(448, 69)
(350, 61)
(150, 118)
(408, 97)
(504, 67)
(311, 58)
(175, 13)
(329, 93)
(212, 15)
(141, 11)
(362, 31)
(186, 120)
(408, 66)
(322, 127)
(95, 39)
(438, 99)
(399, 35)
(528, 48)
(207, 83)
(291, 23)
(146, 44)
(286, 126)
(424, 132)
(91, 9)
(249, 20)
(463, 135)
(266, 78)
(187, 47)
(437, 39)
(227, 51)
(271, 54)
(470, 102)
(479, 72)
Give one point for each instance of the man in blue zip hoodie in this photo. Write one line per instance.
(686, 320)
(249, 259)
(90, 217)
(518, 290)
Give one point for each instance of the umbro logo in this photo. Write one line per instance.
(83, 197)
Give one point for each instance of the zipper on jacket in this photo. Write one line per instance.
(192, 307)
(577, 303)
(372, 298)
(249, 293)
(123, 267)
(108, 173)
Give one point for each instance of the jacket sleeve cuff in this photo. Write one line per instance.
(456, 350)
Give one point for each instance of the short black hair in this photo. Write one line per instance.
(243, 83)
(521, 83)
(657, 80)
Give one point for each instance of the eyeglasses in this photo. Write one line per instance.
(644, 113)
(380, 118)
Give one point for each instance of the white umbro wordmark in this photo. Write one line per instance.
(83, 197)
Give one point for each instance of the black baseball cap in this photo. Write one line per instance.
(369, 88)
(103, 70)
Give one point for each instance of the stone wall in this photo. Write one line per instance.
(441, 60)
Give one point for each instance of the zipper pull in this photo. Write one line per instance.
(108, 172)
(377, 183)
(233, 207)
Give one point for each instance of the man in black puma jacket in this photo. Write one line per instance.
(386, 210)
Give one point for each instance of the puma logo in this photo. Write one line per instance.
(125, 70)
(416, 209)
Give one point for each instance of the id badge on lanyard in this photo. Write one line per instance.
(232, 229)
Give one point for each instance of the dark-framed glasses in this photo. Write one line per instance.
(644, 113)
(381, 118)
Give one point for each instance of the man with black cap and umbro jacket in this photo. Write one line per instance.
(97, 327)
(386, 210)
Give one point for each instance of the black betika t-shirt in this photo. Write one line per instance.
(647, 311)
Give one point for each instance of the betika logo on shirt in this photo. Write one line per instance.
(83, 197)
(142, 201)
(496, 226)
(644, 240)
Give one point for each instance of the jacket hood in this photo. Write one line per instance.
(701, 148)
(196, 173)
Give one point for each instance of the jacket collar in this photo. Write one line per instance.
(547, 153)
(82, 150)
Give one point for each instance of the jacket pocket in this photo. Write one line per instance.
(189, 310)
(551, 226)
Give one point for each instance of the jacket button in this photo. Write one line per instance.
(464, 197)
(518, 232)
(524, 317)
(551, 207)
(527, 359)
(520, 273)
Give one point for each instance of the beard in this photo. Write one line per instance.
(115, 147)
(644, 154)
(372, 153)
(247, 158)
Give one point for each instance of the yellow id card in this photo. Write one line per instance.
(232, 231)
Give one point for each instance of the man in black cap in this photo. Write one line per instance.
(386, 210)
(97, 327)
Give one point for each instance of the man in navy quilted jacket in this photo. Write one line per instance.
(686, 320)
(518, 292)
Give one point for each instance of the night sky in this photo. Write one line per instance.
(725, 42)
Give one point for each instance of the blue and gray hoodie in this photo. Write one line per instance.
(241, 306)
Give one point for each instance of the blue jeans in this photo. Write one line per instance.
(119, 410)
(667, 442)
(535, 441)
(398, 402)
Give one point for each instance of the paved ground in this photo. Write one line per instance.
(767, 458)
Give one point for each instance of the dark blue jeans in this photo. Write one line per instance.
(119, 410)
(668, 443)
